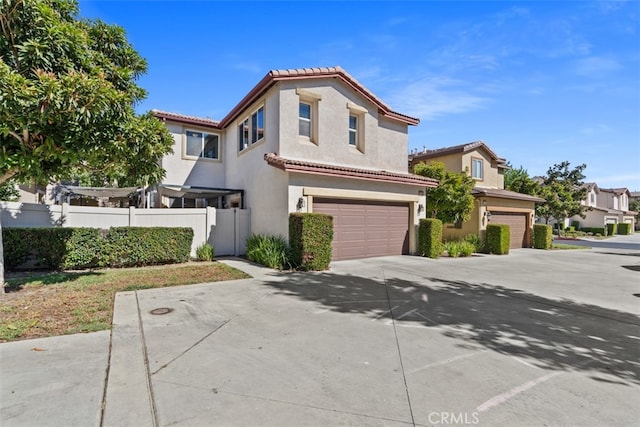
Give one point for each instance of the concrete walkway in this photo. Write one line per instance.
(532, 338)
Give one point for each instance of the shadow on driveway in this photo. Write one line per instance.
(561, 335)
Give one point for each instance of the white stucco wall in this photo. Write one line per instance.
(385, 143)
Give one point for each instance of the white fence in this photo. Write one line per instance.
(226, 229)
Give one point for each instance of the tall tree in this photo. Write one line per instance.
(518, 180)
(451, 201)
(67, 95)
(563, 190)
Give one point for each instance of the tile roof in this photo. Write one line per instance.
(616, 191)
(462, 148)
(181, 118)
(274, 76)
(504, 194)
(292, 165)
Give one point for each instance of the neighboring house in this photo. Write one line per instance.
(493, 203)
(303, 140)
(605, 206)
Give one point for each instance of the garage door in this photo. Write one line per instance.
(364, 229)
(517, 222)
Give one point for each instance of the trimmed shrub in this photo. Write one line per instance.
(310, 238)
(595, 230)
(270, 251)
(542, 236)
(611, 229)
(498, 238)
(430, 237)
(624, 228)
(205, 252)
(77, 248)
(137, 246)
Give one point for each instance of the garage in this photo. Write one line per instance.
(517, 222)
(363, 229)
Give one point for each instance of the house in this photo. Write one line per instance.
(605, 206)
(493, 204)
(303, 140)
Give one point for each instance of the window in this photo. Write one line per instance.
(353, 130)
(251, 129)
(257, 125)
(304, 120)
(593, 199)
(202, 145)
(308, 115)
(476, 169)
(243, 135)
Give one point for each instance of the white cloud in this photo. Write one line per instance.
(596, 66)
(432, 97)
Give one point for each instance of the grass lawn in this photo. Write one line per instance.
(566, 246)
(39, 305)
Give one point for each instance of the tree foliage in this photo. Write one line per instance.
(563, 190)
(9, 192)
(518, 180)
(451, 201)
(67, 95)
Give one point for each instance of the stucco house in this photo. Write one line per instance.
(605, 206)
(493, 204)
(303, 140)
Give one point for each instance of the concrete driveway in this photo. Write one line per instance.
(532, 338)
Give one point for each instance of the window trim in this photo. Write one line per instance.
(359, 113)
(245, 130)
(204, 132)
(312, 99)
(481, 161)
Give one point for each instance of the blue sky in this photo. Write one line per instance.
(540, 82)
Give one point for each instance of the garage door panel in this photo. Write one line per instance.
(366, 228)
(517, 223)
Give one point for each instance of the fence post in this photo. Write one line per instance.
(64, 215)
(132, 216)
(236, 231)
(210, 222)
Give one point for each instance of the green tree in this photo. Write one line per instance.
(634, 206)
(8, 192)
(451, 201)
(67, 95)
(563, 190)
(518, 180)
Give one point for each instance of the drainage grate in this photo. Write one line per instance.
(161, 310)
(636, 295)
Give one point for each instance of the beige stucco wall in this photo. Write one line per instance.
(188, 171)
(385, 142)
(452, 162)
(491, 178)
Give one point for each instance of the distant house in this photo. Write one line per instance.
(493, 204)
(605, 206)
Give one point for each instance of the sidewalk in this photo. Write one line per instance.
(68, 380)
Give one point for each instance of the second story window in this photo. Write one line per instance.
(243, 135)
(593, 199)
(304, 119)
(476, 169)
(257, 125)
(353, 130)
(202, 145)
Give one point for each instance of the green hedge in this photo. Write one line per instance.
(430, 237)
(310, 237)
(595, 230)
(78, 248)
(498, 239)
(542, 236)
(611, 229)
(624, 228)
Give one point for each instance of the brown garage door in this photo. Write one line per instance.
(517, 222)
(364, 229)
